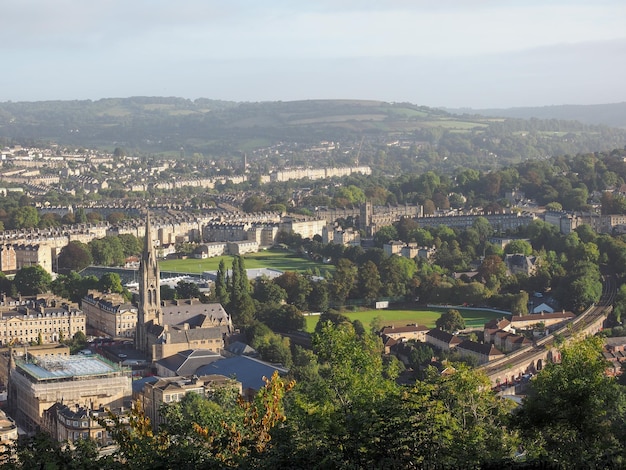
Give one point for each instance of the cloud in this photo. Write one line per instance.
(453, 52)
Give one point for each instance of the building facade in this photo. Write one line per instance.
(109, 315)
(39, 319)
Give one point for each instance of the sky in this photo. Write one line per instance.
(439, 53)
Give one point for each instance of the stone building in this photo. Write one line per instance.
(109, 315)
(44, 318)
(69, 423)
(35, 384)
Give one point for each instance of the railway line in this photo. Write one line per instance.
(532, 358)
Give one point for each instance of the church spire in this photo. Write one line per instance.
(149, 308)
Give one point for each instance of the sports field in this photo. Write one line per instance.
(274, 259)
(473, 318)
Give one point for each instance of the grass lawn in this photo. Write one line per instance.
(274, 259)
(473, 318)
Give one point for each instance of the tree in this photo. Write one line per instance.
(73, 286)
(75, 256)
(519, 246)
(111, 282)
(267, 291)
(167, 292)
(573, 413)
(24, 217)
(221, 288)
(107, 251)
(519, 305)
(405, 227)
(44, 451)
(369, 281)
(492, 265)
(454, 421)
(619, 306)
(451, 321)
(384, 234)
(32, 280)
(274, 348)
(297, 287)
(283, 318)
(241, 303)
(204, 435)
(397, 273)
(344, 280)
(334, 411)
(115, 218)
(80, 216)
(318, 299)
(131, 245)
(253, 204)
(187, 290)
(49, 220)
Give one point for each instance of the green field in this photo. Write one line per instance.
(273, 259)
(473, 318)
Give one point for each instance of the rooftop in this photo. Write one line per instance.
(66, 367)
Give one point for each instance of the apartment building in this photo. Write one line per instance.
(109, 315)
(46, 319)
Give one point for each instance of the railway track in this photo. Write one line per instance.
(581, 325)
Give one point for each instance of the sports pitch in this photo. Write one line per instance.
(273, 259)
(426, 317)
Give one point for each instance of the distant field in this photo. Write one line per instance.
(473, 319)
(273, 259)
(454, 124)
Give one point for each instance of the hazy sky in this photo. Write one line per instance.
(454, 53)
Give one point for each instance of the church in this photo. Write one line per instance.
(165, 328)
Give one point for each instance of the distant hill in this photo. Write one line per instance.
(612, 115)
(165, 125)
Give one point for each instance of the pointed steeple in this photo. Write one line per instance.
(149, 308)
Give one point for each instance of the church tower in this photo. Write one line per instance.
(149, 307)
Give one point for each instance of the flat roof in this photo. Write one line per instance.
(62, 367)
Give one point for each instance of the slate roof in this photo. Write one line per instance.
(444, 336)
(187, 362)
(191, 311)
(240, 348)
(139, 384)
(497, 324)
(538, 317)
(485, 349)
(403, 329)
(247, 370)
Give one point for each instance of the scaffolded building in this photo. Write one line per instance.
(36, 384)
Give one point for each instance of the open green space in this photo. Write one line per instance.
(282, 260)
(401, 317)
